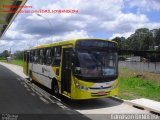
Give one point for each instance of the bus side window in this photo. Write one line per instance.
(30, 59)
(56, 56)
(36, 56)
(48, 57)
(31, 56)
(41, 56)
(38, 61)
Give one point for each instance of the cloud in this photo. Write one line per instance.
(94, 17)
(124, 22)
(16, 45)
(66, 36)
(89, 18)
(18, 35)
(144, 5)
(126, 35)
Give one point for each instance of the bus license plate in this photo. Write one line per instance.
(101, 93)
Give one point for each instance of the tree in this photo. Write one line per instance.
(5, 54)
(157, 37)
(120, 41)
(19, 55)
(142, 39)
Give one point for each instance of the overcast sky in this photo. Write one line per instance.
(95, 19)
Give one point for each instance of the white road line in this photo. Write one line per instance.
(38, 93)
(61, 105)
(44, 100)
(25, 86)
(28, 89)
(22, 83)
(52, 101)
(44, 96)
(33, 94)
(56, 98)
(58, 103)
(32, 89)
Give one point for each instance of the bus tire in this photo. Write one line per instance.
(55, 88)
(30, 76)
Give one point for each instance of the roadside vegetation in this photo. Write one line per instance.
(136, 84)
(16, 58)
(15, 62)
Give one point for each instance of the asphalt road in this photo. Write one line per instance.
(16, 98)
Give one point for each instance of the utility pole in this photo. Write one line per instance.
(50, 24)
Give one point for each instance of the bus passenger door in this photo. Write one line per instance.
(66, 70)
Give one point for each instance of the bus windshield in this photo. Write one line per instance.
(96, 63)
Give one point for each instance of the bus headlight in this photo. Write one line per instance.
(79, 86)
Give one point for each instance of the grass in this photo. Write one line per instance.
(135, 84)
(15, 62)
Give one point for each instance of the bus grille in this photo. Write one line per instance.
(97, 94)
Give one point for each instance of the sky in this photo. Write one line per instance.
(95, 19)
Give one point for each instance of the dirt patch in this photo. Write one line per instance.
(126, 73)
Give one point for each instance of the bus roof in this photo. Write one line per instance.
(67, 42)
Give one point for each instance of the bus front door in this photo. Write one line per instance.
(66, 70)
(26, 62)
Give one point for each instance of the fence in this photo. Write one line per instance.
(141, 66)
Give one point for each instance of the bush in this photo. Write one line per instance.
(1, 58)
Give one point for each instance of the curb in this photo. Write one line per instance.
(135, 105)
(142, 107)
(117, 99)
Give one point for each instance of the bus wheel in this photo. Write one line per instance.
(30, 76)
(55, 88)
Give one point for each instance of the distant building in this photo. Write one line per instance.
(156, 47)
(136, 59)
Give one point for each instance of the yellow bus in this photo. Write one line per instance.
(77, 69)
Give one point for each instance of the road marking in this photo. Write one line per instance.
(22, 83)
(18, 79)
(44, 100)
(32, 89)
(61, 105)
(33, 94)
(38, 93)
(28, 89)
(25, 86)
(52, 101)
(44, 96)
(56, 98)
